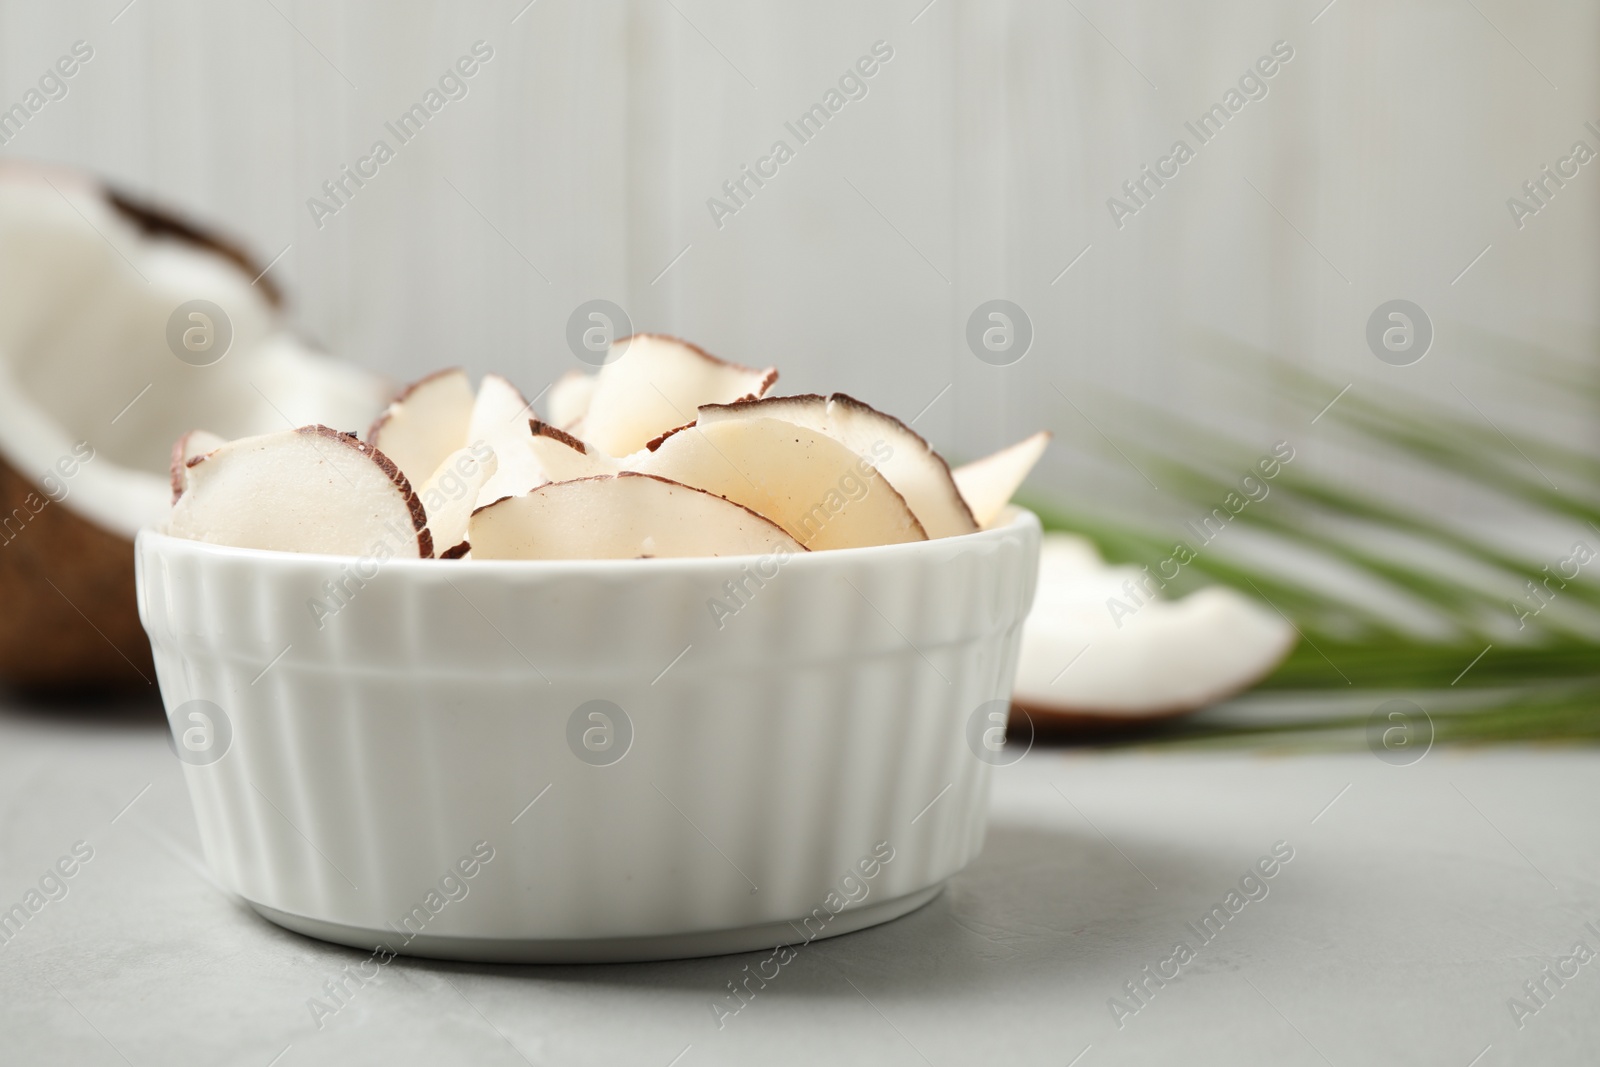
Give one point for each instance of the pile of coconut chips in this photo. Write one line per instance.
(667, 451)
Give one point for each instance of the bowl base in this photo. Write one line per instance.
(598, 949)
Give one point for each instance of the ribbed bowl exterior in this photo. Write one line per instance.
(378, 739)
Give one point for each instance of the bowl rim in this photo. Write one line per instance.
(1016, 519)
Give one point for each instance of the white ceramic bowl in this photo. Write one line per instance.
(417, 763)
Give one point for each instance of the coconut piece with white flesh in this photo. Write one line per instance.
(499, 410)
(451, 493)
(652, 383)
(312, 489)
(541, 453)
(426, 423)
(563, 457)
(1100, 648)
(622, 516)
(93, 391)
(500, 420)
(988, 484)
(823, 494)
(906, 461)
(569, 399)
(188, 448)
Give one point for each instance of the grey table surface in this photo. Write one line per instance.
(1418, 903)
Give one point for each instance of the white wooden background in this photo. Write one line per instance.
(978, 166)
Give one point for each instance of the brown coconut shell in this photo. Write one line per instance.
(1054, 722)
(71, 622)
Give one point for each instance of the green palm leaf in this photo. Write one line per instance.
(1470, 581)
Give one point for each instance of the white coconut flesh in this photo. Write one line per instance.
(310, 489)
(569, 398)
(654, 383)
(988, 484)
(85, 299)
(905, 460)
(499, 410)
(1081, 658)
(623, 516)
(500, 420)
(451, 493)
(823, 494)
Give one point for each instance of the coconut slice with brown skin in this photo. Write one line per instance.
(93, 393)
(823, 494)
(1102, 648)
(451, 493)
(307, 490)
(425, 423)
(622, 516)
(185, 451)
(916, 471)
(988, 484)
(540, 453)
(563, 457)
(653, 383)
